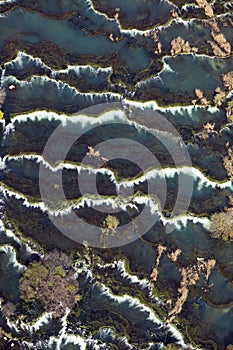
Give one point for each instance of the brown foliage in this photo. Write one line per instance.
(206, 131)
(8, 309)
(210, 264)
(219, 96)
(2, 97)
(207, 7)
(228, 162)
(229, 112)
(222, 225)
(228, 80)
(154, 273)
(220, 46)
(189, 277)
(173, 256)
(51, 282)
(201, 98)
(179, 45)
(56, 258)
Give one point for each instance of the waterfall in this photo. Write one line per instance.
(3, 74)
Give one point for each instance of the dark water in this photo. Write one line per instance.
(60, 59)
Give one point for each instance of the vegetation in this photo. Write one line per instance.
(2, 96)
(206, 6)
(189, 277)
(228, 162)
(228, 80)
(229, 111)
(219, 96)
(206, 131)
(220, 46)
(222, 225)
(51, 282)
(173, 347)
(154, 274)
(111, 222)
(179, 45)
(8, 309)
(6, 342)
(200, 98)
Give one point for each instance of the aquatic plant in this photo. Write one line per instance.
(51, 282)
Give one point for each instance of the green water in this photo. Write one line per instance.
(75, 34)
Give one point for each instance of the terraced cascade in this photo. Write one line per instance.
(158, 74)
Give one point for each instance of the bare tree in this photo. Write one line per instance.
(52, 282)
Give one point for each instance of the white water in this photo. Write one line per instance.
(40, 81)
(12, 258)
(132, 302)
(167, 172)
(135, 303)
(23, 59)
(67, 339)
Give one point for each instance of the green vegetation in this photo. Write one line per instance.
(173, 347)
(111, 222)
(51, 282)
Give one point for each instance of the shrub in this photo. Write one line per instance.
(51, 282)
(228, 163)
(8, 309)
(222, 225)
(111, 222)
